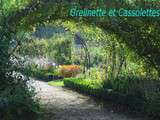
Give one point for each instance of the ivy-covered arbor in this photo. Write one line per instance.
(141, 34)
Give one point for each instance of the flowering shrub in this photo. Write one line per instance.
(69, 70)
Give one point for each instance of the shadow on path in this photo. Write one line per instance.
(64, 104)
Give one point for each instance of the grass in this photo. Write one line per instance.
(56, 83)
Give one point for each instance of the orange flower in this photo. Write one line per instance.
(69, 70)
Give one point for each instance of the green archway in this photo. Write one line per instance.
(140, 34)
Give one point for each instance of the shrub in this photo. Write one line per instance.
(45, 74)
(139, 93)
(91, 87)
(69, 70)
(152, 104)
(17, 102)
(96, 73)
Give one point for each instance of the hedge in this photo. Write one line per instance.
(132, 92)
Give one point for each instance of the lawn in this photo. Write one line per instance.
(56, 83)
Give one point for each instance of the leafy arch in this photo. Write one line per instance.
(140, 34)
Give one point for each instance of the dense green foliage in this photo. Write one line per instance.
(60, 49)
(92, 87)
(138, 30)
(107, 50)
(17, 103)
(139, 35)
(56, 48)
(17, 100)
(137, 94)
(38, 72)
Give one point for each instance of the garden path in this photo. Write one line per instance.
(64, 104)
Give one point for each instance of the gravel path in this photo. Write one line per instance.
(64, 104)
